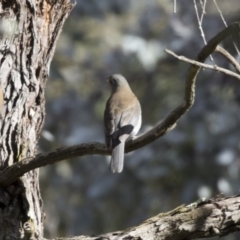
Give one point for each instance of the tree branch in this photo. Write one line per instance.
(204, 65)
(215, 217)
(229, 57)
(12, 173)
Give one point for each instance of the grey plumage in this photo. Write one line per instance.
(122, 119)
(117, 159)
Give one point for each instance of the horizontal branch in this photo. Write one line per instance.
(215, 217)
(13, 172)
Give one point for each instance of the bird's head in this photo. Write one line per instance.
(117, 81)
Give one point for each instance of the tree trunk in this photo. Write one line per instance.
(28, 30)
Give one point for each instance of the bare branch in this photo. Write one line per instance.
(203, 4)
(12, 173)
(215, 217)
(200, 19)
(229, 57)
(174, 6)
(225, 24)
(220, 13)
(204, 65)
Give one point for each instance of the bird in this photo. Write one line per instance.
(122, 119)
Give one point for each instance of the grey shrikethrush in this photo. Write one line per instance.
(122, 119)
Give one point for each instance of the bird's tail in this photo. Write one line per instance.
(117, 159)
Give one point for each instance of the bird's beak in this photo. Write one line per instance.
(107, 79)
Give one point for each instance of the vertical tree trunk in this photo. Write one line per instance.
(28, 31)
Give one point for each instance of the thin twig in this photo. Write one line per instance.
(225, 23)
(174, 6)
(220, 13)
(201, 19)
(229, 57)
(204, 65)
(203, 4)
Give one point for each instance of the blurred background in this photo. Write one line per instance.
(199, 158)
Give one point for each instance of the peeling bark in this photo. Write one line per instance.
(28, 31)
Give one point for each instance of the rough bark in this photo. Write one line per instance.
(215, 217)
(29, 30)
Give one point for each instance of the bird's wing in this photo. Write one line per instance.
(130, 116)
(129, 120)
(109, 127)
